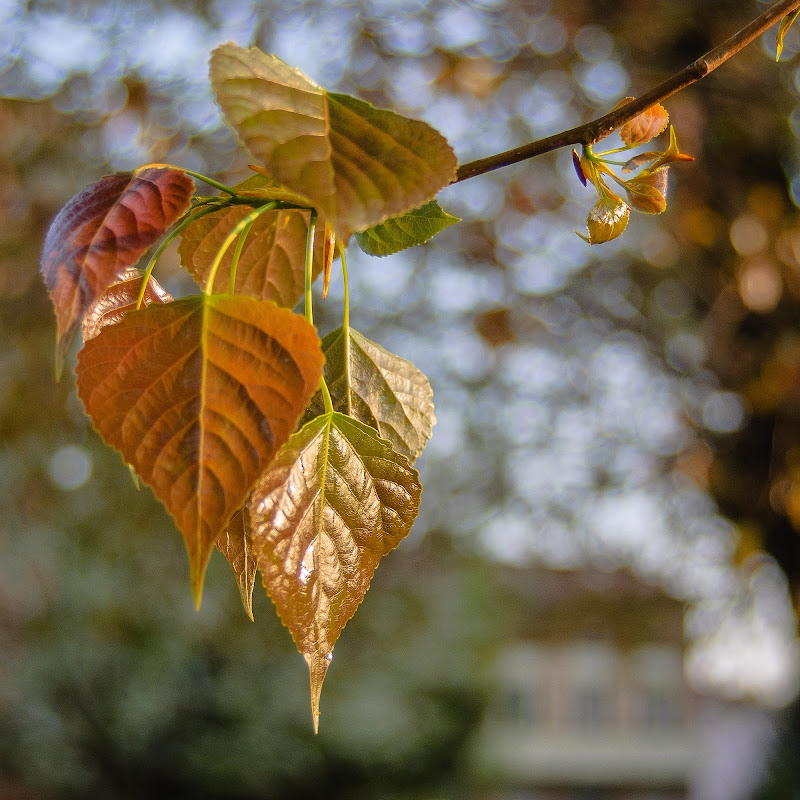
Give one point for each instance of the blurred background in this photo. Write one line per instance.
(600, 596)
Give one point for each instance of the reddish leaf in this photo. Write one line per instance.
(329, 250)
(645, 126)
(236, 544)
(647, 192)
(272, 263)
(121, 298)
(101, 231)
(198, 395)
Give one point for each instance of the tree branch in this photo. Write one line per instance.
(591, 132)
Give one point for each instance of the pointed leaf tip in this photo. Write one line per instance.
(199, 395)
(236, 545)
(317, 668)
(335, 500)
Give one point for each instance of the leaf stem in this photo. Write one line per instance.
(162, 247)
(309, 276)
(346, 329)
(229, 240)
(237, 254)
(309, 309)
(591, 132)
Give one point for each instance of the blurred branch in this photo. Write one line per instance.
(591, 132)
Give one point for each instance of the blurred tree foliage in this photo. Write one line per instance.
(110, 684)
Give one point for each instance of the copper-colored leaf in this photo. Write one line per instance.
(103, 230)
(356, 164)
(336, 499)
(272, 263)
(236, 544)
(647, 192)
(645, 126)
(198, 395)
(119, 299)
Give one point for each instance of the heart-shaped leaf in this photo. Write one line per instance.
(236, 544)
(198, 395)
(272, 262)
(103, 230)
(336, 499)
(378, 388)
(119, 299)
(356, 164)
(408, 230)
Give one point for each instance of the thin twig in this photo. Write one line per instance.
(591, 132)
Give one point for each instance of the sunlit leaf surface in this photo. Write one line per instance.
(101, 231)
(378, 388)
(356, 164)
(410, 229)
(236, 545)
(198, 395)
(607, 220)
(119, 299)
(272, 262)
(336, 499)
(645, 126)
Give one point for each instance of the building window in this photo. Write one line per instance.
(592, 706)
(516, 705)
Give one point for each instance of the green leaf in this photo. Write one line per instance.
(408, 230)
(356, 164)
(336, 499)
(786, 23)
(236, 545)
(378, 388)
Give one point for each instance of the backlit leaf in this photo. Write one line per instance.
(408, 230)
(119, 299)
(272, 263)
(336, 499)
(198, 395)
(645, 126)
(786, 23)
(378, 388)
(103, 230)
(607, 220)
(356, 164)
(236, 545)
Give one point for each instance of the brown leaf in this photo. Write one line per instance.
(645, 126)
(647, 192)
(357, 165)
(121, 298)
(272, 262)
(336, 499)
(236, 544)
(103, 230)
(198, 395)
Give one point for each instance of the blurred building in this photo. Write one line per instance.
(590, 701)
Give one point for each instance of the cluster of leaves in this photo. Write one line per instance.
(202, 396)
(646, 192)
(291, 454)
